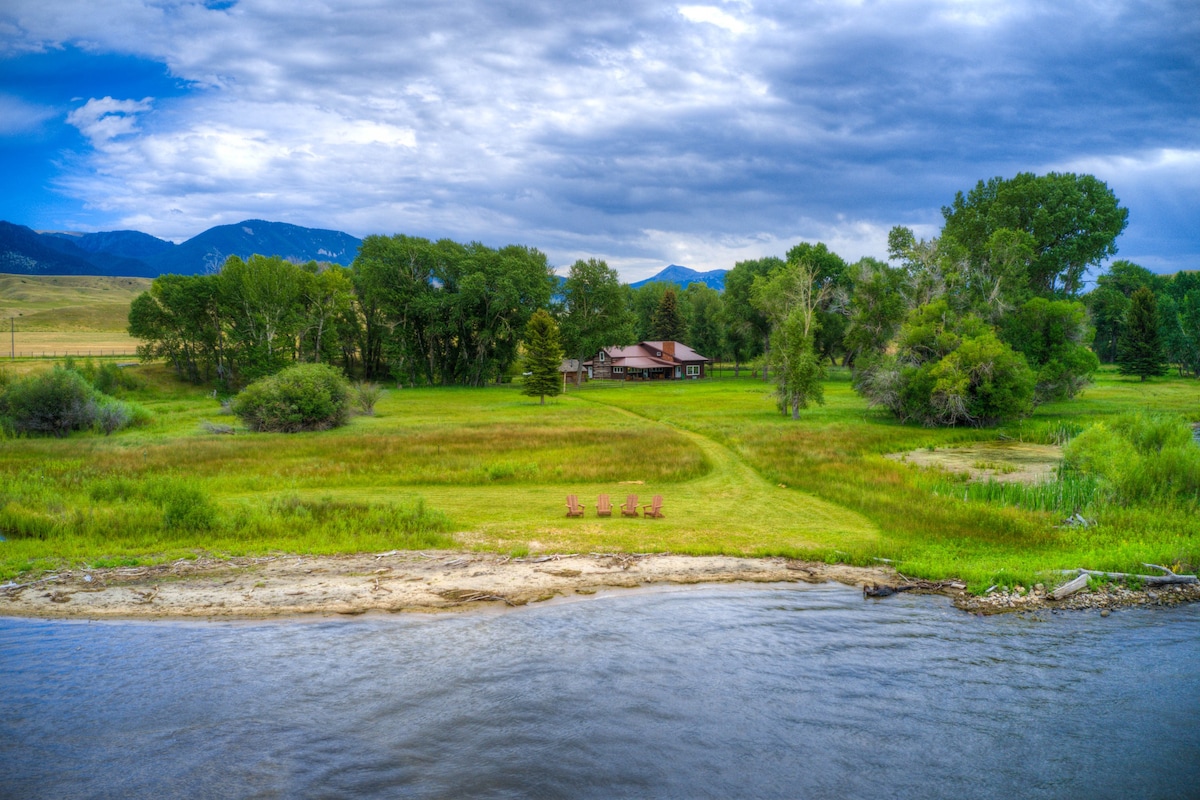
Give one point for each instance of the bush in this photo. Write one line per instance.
(61, 401)
(305, 397)
(184, 504)
(948, 370)
(1139, 458)
(55, 402)
(366, 395)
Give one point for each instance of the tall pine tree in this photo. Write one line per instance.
(1139, 350)
(668, 322)
(543, 357)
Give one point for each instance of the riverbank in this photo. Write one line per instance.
(398, 581)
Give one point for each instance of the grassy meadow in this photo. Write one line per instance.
(489, 469)
(57, 315)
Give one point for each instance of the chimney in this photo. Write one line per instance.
(669, 350)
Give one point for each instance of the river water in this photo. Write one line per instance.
(719, 691)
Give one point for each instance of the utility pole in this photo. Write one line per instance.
(12, 330)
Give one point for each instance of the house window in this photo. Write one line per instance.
(600, 357)
(693, 369)
(618, 370)
(658, 353)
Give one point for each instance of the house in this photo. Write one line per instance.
(647, 361)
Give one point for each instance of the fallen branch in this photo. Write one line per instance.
(1071, 587)
(1147, 580)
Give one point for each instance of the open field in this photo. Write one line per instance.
(54, 316)
(68, 302)
(488, 470)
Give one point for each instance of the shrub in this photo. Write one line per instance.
(55, 402)
(948, 370)
(305, 397)
(1139, 458)
(366, 395)
(184, 504)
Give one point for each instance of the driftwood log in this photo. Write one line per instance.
(1147, 580)
(1070, 587)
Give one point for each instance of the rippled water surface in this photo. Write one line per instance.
(697, 692)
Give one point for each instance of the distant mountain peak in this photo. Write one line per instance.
(682, 276)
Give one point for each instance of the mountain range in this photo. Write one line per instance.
(132, 254)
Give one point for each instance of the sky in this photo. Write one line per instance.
(640, 132)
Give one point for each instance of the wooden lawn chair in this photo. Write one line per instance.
(603, 506)
(654, 509)
(630, 507)
(573, 507)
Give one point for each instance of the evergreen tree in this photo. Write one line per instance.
(543, 356)
(668, 324)
(1139, 351)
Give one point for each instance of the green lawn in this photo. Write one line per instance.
(489, 469)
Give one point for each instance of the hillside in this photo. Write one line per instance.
(68, 302)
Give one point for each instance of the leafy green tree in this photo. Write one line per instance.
(791, 299)
(668, 323)
(1053, 336)
(596, 312)
(1139, 351)
(326, 294)
(832, 277)
(1179, 325)
(877, 307)
(543, 357)
(443, 312)
(179, 319)
(262, 312)
(705, 320)
(746, 322)
(1108, 303)
(1071, 223)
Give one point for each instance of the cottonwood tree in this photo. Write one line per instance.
(1070, 222)
(745, 320)
(596, 313)
(543, 357)
(791, 299)
(705, 320)
(450, 313)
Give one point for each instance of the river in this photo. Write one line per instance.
(711, 691)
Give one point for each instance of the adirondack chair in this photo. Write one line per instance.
(573, 507)
(603, 506)
(653, 510)
(630, 507)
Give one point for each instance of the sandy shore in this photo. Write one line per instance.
(446, 581)
(392, 581)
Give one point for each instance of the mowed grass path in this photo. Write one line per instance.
(504, 482)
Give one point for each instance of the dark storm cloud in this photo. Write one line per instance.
(643, 132)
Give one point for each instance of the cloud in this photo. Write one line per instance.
(714, 16)
(106, 119)
(647, 133)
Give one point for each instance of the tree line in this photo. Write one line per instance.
(973, 326)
